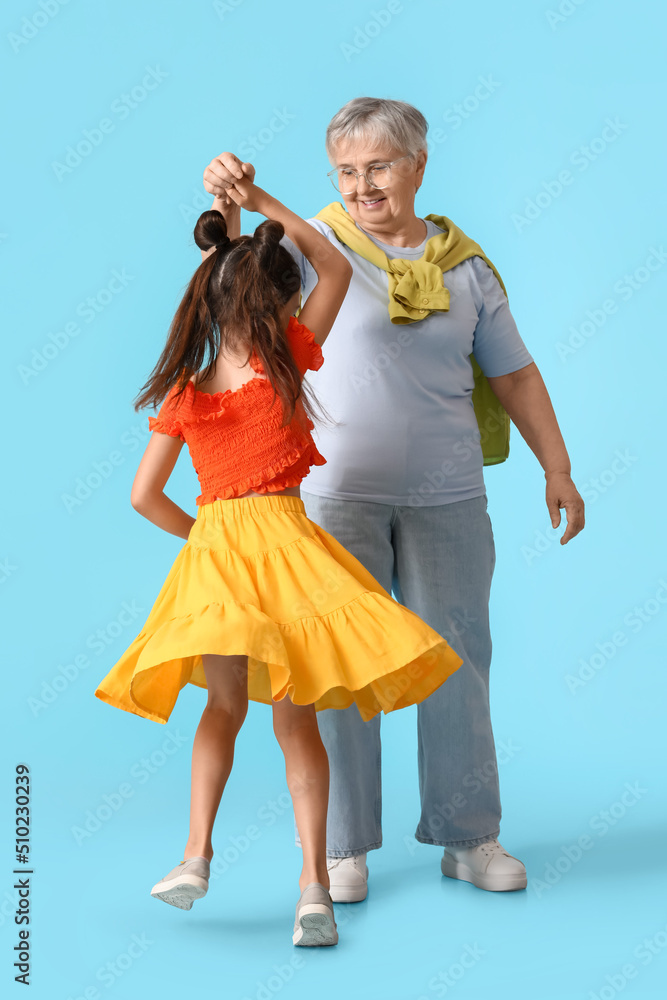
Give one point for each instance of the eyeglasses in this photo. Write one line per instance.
(378, 175)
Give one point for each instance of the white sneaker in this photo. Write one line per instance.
(488, 866)
(348, 878)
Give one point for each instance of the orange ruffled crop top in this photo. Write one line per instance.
(234, 437)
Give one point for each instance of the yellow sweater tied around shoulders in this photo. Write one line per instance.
(416, 289)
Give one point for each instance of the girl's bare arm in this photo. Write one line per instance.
(148, 497)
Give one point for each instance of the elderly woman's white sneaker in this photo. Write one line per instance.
(348, 878)
(488, 866)
(184, 883)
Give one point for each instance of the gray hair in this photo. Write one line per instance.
(396, 123)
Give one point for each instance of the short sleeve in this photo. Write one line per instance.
(306, 351)
(306, 268)
(169, 419)
(300, 258)
(497, 344)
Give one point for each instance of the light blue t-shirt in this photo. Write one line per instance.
(402, 394)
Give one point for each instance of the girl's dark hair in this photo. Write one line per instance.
(233, 301)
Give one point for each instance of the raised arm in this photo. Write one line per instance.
(333, 269)
(219, 176)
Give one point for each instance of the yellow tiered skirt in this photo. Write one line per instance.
(258, 577)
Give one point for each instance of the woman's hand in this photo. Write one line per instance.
(221, 173)
(561, 492)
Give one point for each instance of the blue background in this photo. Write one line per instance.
(220, 71)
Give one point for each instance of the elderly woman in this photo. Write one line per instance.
(403, 486)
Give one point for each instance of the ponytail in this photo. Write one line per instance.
(193, 330)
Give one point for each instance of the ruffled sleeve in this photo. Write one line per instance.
(170, 417)
(305, 349)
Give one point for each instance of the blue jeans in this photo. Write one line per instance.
(438, 561)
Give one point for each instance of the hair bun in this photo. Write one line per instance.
(211, 230)
(266, 239)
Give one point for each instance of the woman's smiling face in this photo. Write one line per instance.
(385, 208)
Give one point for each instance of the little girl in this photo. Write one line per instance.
(260, 603)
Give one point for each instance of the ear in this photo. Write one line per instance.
(421, 159)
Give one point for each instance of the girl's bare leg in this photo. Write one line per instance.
(307, 772)
(213, 747)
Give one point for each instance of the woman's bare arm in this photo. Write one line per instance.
(524, 395)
